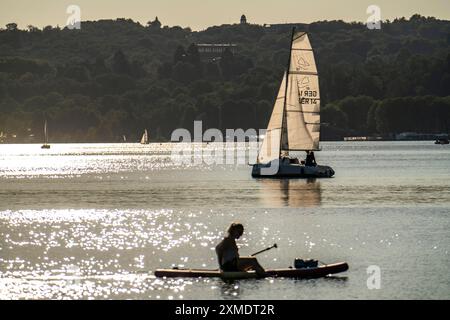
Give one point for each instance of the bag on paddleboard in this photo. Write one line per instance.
(309, 263)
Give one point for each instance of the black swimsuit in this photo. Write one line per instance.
(230, 266)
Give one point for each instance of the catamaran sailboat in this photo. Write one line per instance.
(144, 139)
(45, 145)
(295, 121)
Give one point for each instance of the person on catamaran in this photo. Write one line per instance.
(310, 159)
(228, 253)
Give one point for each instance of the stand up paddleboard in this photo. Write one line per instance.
(300, 273)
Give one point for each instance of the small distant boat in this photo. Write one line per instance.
(45, 145)
(295, 121)
(441, 141)
(144, 139)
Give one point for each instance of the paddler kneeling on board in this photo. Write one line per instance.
(228, 254)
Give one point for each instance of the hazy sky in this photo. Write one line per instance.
(199, 14)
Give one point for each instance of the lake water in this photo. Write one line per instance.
(91, 221)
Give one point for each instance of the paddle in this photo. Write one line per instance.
(264, 250)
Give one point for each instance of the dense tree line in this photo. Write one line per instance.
(115, 78)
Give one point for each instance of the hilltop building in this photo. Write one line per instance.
(243, 19)
(155, 23)
(213, 51)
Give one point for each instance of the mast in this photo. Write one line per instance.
(45, 132)
(284, 122)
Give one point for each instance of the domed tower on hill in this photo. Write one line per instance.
(243, 19)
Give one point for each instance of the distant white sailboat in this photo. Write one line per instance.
(144, 139)
(295, 121)
(45, 145)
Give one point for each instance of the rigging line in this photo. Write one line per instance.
(293, 105)
(298, 36)
(300, 111)
(306, 73)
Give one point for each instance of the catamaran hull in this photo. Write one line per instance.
(303, 273)
(292, 170)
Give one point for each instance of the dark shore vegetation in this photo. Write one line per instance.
(118, 77)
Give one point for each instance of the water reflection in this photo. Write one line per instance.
(337, 279)
(234, 289)
(230, 289)
(290, 192)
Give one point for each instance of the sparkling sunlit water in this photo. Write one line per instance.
(91, 221)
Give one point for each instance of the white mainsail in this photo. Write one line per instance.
(45, 133)
(45, 145)
(303, 98)
(144, 139)
(295, 121)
